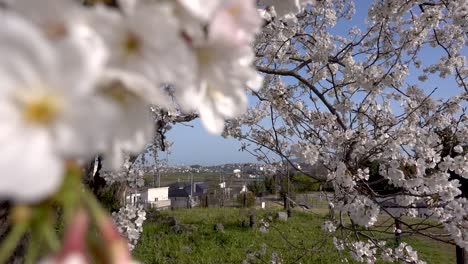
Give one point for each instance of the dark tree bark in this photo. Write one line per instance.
(252, 221)
(462, 256)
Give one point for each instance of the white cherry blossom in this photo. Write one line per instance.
(45, 102)
(131, 95)
(286, 7)
(140, 41)
(223, 63)
(201, 9)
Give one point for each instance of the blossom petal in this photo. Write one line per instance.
(212, 121)
(202, 9)
(31, 170)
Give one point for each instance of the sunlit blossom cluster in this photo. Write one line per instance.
(329, 227)
(362, 210)
(129, 221)
(132, 176)
(369, 252)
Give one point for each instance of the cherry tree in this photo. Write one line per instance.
(369, 102)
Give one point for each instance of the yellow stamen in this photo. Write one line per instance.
(204, 56)
(55, 30)
(118, 93)
(41, 110)
(234, 10)
(131, 44)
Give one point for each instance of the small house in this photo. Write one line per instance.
(186, 194)
(151, 197)
(156, 197)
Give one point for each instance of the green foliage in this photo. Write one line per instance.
(257, 187)
(148, 179)
(270, 184)
(303, 183)
(152, 214)
(287, 187)
(109, 197)
(246, 199)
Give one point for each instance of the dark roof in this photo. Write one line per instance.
(178, 193)
(177, 185)
(202, 186)
(182, 189)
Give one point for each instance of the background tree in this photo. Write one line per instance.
(360, 94)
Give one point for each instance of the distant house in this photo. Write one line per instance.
(186, 194)
(151, 197)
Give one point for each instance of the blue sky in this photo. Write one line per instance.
(194, 145)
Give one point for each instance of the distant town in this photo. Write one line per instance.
(249, 168)
(195, 185)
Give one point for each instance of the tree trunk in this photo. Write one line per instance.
(285, 202)
(252, 221)
(289, 212)
(397, 230)
(287, 205)
(462, 255)
(331, 212)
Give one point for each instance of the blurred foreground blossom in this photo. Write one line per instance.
(45, 100)
(78, 81)
(286, 7)
(224, 69)
(74, 248)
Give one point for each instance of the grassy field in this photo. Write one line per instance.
(210, 178)
(300, 240)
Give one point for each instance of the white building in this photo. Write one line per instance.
(152, 197)
(133, 199)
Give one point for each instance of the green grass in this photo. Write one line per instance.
(292, 240)
(204, 245)
(431, 251)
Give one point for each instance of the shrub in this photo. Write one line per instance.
(257, 187)
(270, 184)
(246, 199)
(303, 183)
(109, 197)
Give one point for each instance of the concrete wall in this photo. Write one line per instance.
(160, 204)
(152, 197)
(157, 194)
(179, 202)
